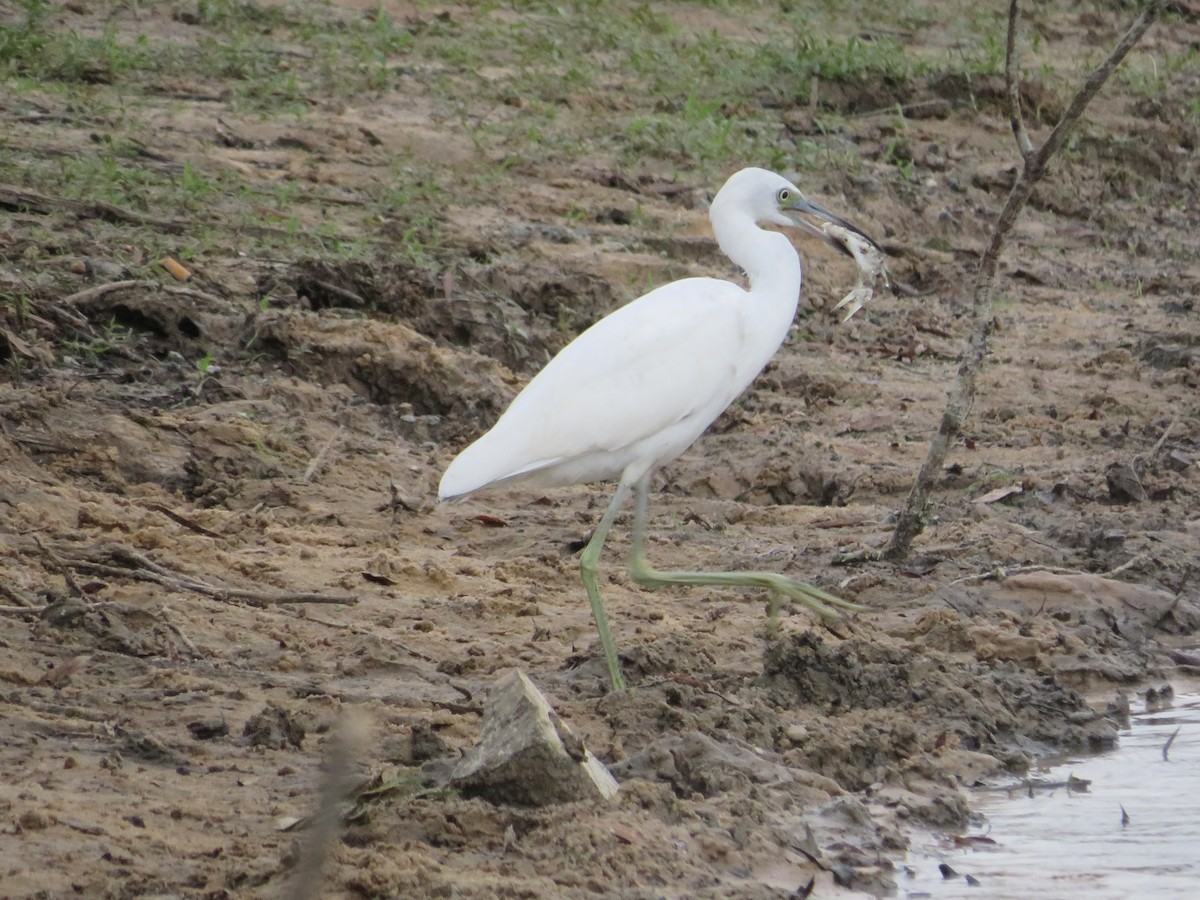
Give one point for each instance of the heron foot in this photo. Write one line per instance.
(826, 605)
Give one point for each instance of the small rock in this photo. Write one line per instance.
(207, 729)
(1179, 461)
(843, 875)
(33, 820)
(797, 734)
(275, 728)
(1124, 484)
(426, 744)
(526, 755)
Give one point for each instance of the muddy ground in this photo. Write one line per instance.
(217, 495)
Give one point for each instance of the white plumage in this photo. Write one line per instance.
(637, 388)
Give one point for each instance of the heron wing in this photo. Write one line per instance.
(662, 358)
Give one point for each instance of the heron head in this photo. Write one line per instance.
(794, 207)
(772, 199)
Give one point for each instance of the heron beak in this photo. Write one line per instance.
(804, 206)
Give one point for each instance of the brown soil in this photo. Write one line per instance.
(159, 733)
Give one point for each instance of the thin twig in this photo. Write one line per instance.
(903, 108)
(1162, 440)
(688, 681)
(43, 204)
(352, 628)
(182, 520)
(117, 561)
(340, 292)
(167, 617)
(193, 293)
(1167, 746)
(62, 567)
(911, 520)
(1095, 81)
(1016, 120)
(14, 593)
(217, 592)
(1000, 572)
(1128, 564)
(95, 293)
(320, 457)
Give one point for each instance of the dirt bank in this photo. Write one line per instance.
(217, 495)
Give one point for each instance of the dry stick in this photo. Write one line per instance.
(166, 616)
(14, 593)
(1001, 572)
(1166, 433)
(43, 204)
(1167, 746)
(340, 292)
(95, 293)
(118, 561)
(1016, 120)
(182, 520)
(319, 459)
(217, 592)
(962, 395)
(66, 573)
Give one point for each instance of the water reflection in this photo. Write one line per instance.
(1062, 842)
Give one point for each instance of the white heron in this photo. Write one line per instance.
(636, 389)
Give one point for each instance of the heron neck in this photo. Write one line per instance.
(768, 259)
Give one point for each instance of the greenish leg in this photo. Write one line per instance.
(587, 567)
(821, 602)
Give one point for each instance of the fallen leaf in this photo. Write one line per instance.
(377, 579)
(489, 521)
(1000, 493)
(21, 348)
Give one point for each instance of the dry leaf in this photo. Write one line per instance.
(489, 521)
(1000, 493)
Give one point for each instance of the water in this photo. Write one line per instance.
(1064, 843)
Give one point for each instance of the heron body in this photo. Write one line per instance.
(636, 389)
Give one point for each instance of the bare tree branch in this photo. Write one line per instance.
(911, 520)
(1016, 120)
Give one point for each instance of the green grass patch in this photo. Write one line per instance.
(681, 89)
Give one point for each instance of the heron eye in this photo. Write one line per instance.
(784, 195)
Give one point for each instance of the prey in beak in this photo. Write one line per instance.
(804, 206)
(849, 239)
